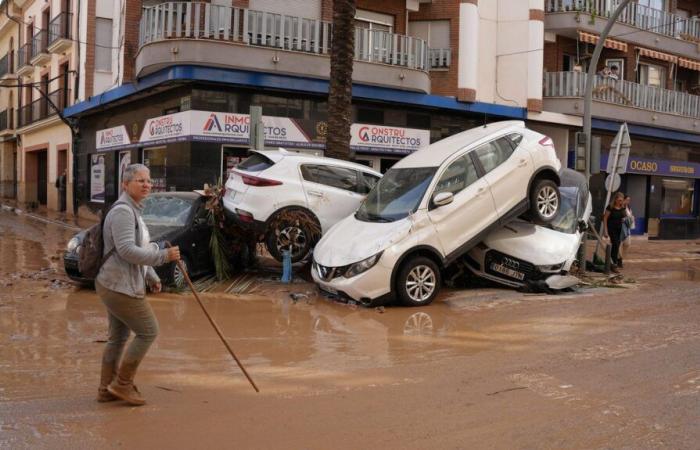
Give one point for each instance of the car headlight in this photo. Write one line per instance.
(72, 245)
(362, 266)
(551, 268)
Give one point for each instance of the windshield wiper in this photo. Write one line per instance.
(372, 217)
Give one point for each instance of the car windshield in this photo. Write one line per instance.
(396, 195)
(166, 211)
(566, 220)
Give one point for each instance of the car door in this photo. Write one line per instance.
(508, 169)
(200, 233)
(471, 211)
(331, 191)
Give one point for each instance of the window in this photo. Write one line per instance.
(494, 153)
(515, 139)
(103, 44)
(655, 4)
(435, 32)
(460, 174)
(652, 75)
(337, 177)
(367, 182)
(678, 196)
(373, 20)
(370, 116)
(256, 163)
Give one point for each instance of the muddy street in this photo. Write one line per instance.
(604, 367)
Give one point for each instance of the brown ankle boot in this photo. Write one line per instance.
(123, 385)
(106, 377)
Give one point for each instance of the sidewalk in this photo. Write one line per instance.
(44, 215)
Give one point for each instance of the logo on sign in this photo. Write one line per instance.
(212, 122)
(364, 134)
(108, 138)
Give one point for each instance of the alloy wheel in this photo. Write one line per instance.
(178, 275)
(420, 283)
(293, 237)
(547, 202)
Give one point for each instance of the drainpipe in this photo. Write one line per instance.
(589, 84)
(468, 53)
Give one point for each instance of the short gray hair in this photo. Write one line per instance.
(131, 170)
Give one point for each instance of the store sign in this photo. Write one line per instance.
(97, 178)
(235, 128)
(646, 166)
(112, 138)
(382, 139)
(164, 129)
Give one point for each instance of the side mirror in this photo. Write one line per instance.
(443, 198)
(582, 225)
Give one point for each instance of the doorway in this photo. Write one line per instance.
(42, 177)
(230, 158)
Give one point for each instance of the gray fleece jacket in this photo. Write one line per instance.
(127, 269)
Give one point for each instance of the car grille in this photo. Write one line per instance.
(71, 267)
(328, 273)
(531, 271)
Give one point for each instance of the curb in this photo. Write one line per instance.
(19, 211)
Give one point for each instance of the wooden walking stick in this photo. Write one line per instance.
(213, 324)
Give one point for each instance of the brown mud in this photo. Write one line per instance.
(480, 368)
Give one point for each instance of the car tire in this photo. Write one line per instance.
(545, 201)
(176, 278)
(418, 281)
(295, 227)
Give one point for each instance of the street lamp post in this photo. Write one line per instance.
(589, 83)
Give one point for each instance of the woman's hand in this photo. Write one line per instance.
(156, 287)
(173, 254)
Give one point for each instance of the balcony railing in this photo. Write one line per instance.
(634, 14)
(24, 55)
(196, 20)
(440, 58)
(60, 27)
(6, 64)
(621, 92)
(41, 108)
(39, 43)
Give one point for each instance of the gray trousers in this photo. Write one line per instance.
(127, 314)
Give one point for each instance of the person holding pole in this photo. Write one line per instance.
(615, 214)
(128, 257)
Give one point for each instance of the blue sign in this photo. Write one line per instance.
(647, 166)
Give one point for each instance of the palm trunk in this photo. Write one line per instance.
(340, 89)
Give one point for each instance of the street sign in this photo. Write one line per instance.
(615, 180)
(621, 146)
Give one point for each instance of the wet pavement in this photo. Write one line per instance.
(615, 367)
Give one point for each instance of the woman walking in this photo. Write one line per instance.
(614, 215)
(627, 227)
(121, 285)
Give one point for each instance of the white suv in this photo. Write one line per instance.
(432, 207)
(290, 199)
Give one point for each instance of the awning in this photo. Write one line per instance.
(609, 43)
(661, 56)
(691, 64)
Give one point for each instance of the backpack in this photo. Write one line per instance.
(90, 258)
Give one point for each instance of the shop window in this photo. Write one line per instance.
(156, 160)
(678, 196)
(370, 116)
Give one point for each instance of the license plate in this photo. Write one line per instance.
(500, 268)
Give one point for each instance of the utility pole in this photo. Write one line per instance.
(589, 84)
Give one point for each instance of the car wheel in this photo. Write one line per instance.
(177, 277)
(544, 201)
(418, 282)
(296, 231)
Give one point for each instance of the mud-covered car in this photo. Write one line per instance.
(522, 253)
(178, 217)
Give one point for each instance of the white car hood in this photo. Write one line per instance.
(533, 243)
(352, 240)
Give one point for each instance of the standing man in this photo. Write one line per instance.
(61, 186)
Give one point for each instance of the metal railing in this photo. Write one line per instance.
(6, 63)
(634, 14)
(621, 92)
(440, 58)
(41, 108)
(39, 43)
(198, 20)
(24, 54)
(60, 27)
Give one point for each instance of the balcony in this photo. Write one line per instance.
(622, 100)
(24, 55)
(60, 33)
(7, 70)
(40, 52)
(41, 108)
(439, 58)
(663, 30)
(202, 34)
(7, 122)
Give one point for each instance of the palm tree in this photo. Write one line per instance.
(340, 89)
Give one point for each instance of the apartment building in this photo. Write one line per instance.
(423, 70)
(654, 51)
(9, 38)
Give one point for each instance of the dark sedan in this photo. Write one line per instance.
(178, 217)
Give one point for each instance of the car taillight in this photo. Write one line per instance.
(244, 216)
(251, 180)
(547, 142)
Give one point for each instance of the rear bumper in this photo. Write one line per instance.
(256, 226)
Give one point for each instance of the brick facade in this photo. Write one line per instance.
(132, 19)
(89, 74)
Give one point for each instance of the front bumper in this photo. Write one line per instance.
(70, 265)
(370, 287)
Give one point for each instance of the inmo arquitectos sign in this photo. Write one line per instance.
(235, 128)
(112, 138)
(384, 139)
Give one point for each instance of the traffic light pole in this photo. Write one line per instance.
(587, 99)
